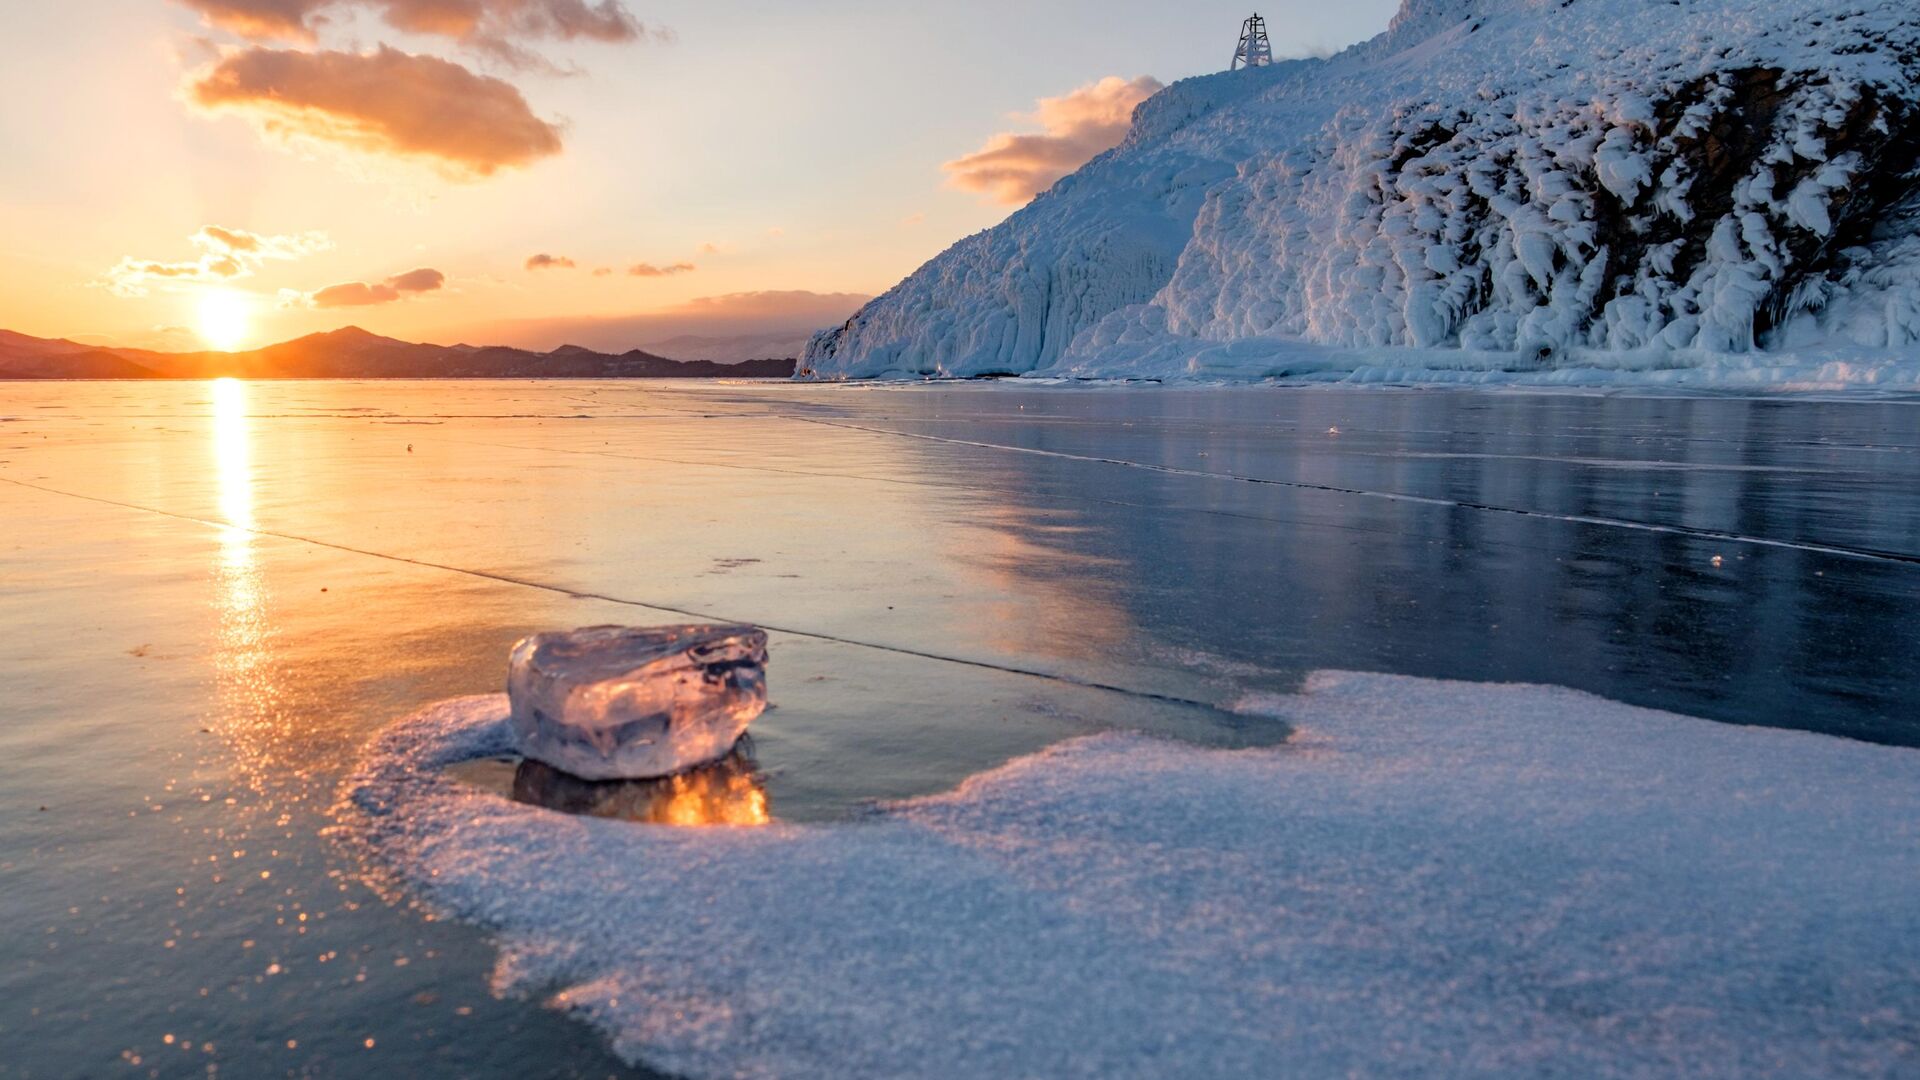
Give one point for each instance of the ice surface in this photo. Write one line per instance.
(611, 702)
(1609, 185)
(1432, 878)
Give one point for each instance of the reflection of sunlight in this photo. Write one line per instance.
(1035, 594)
(248, 695)
(231, 456)
(728, 792)
(707, 798)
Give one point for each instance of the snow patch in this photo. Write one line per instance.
(1434, 878)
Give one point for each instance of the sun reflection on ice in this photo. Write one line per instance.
(248, 693)
(233, 458)
(727, 793)
(709, 798)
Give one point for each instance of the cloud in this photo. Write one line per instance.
(166, 339)
(797, 311)
(1014, 167)
(254, 247)
(791, 305)
(285, 20)
(650, 270)
(602, 271)
(225, 254)
(712, 247)
(385, 102)
(496, 27)
(415, 281)
(549, 262)
(365, 294)
(137, 277)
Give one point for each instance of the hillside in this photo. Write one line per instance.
(1571, 188)
(353, 353)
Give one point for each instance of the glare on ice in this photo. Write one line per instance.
(614, 702)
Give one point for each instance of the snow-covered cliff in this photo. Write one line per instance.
(1491, 184)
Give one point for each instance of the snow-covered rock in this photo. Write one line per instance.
(1491, 184)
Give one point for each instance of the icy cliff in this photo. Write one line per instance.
(1490, 185)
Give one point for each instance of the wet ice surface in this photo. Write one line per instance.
(953, 577)
(1433, 878)
(624, 702)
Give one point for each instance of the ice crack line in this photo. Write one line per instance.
(581, 594)
(1841, 551)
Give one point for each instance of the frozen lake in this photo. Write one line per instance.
(216, 594)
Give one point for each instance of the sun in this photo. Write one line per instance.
(224, 319)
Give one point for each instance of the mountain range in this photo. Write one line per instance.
(353, 353)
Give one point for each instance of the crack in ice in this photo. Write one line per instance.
(1841, 551)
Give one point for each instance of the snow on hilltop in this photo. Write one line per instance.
(1492, 185)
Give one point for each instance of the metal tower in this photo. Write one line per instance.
(1254, 50)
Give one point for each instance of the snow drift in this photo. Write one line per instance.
(1491, 184)
(1432, 878)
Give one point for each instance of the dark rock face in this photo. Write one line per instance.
(1879, 131)
(1780, 173)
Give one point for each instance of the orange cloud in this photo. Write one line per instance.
(650, 270)
(365, 294)
(549, 262)
(1014, 167)
(776, 305)
(490, 25)
(788, 313)
(254, 247)
(285, 20)
(422, 280)
(385, 102)
(225, 254)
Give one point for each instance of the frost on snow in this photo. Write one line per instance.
(1518, 184)
(1431, 878)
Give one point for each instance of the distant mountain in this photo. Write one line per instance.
(353, 353)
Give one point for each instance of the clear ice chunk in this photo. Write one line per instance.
(622, 702)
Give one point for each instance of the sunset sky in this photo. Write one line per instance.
(228, 173)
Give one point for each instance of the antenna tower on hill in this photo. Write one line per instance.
(1254, 50)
